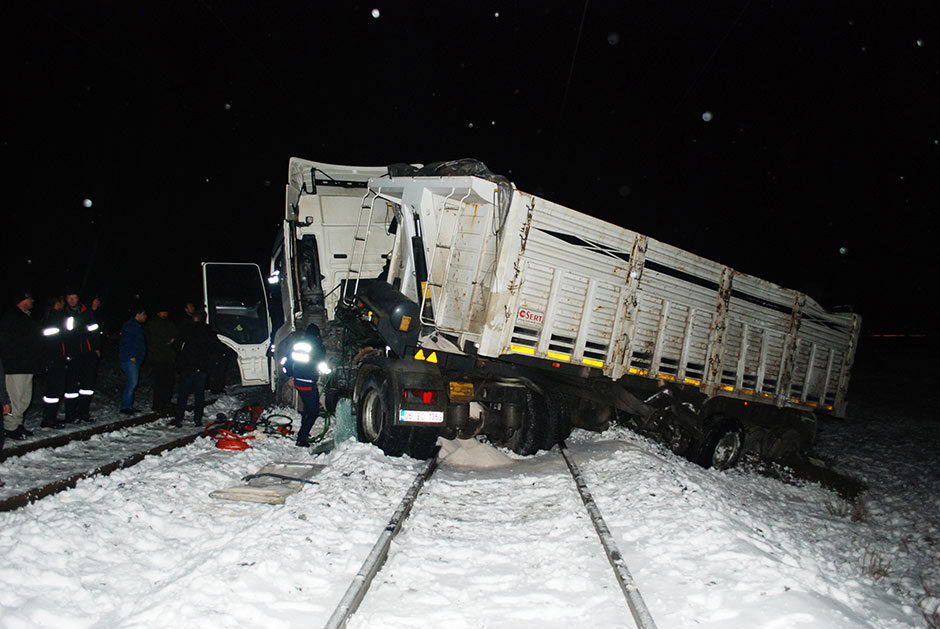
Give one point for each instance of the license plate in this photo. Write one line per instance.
(421, 417)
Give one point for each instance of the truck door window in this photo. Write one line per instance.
(237, 307)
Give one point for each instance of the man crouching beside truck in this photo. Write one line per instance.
(303, 366)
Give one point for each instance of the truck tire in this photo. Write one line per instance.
(781, 444)
(558, 418)
(531, 435)
(284, 395)
(374, 421)
(723, 444)
(423, 443)
(330, 397)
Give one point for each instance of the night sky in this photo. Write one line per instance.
(796, 141)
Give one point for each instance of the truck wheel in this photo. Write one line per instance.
(374, 422)
(592, 415)
(283, 394)
(531, 435)
(723, 445)
(422, 443)
(558, 418)
(781, 443)
(330, 398)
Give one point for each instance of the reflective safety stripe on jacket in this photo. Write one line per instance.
(300, 356)
(303, 384)
(299, 364)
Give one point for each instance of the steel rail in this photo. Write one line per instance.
(76, 434)
(360, 584)
(81, 433)
(641, 614)
(36, 493)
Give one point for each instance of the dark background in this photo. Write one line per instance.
(817, 168)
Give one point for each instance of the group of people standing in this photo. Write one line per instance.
(66, 346)
(190, 349)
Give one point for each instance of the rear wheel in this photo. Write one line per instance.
(782, 443)
(374, 422)
(422, 443)
(723, 445)
(284, 395)
(558, 419)
(530, 437)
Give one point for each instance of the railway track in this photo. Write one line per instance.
(68, 456)
(532, 520)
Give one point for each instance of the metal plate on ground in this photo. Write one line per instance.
(272, 484)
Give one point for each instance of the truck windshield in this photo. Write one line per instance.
(237, 307)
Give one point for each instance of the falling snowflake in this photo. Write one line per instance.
(707, 116)
(376, 13)
(613, 38)
(920, 43)
(87, 203)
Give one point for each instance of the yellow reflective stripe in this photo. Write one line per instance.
(558, 356)
(592, 362)
(522, 349)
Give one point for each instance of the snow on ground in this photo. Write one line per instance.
(504, 546)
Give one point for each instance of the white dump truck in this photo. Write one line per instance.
(454, 304)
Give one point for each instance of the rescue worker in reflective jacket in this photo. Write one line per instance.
(77, 329)
(88, 360)
(304, 363)
(56, 363)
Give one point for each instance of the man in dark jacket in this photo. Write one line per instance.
(303, 364)
(88, 360)
(76, 341)
(56, 359)
(161, 336)
(131, 353)
(196, 347)
(21, 353)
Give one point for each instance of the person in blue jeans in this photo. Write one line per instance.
(133, 350)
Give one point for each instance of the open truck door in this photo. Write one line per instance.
(237, 311)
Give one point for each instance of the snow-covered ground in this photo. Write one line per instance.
(508, 546)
